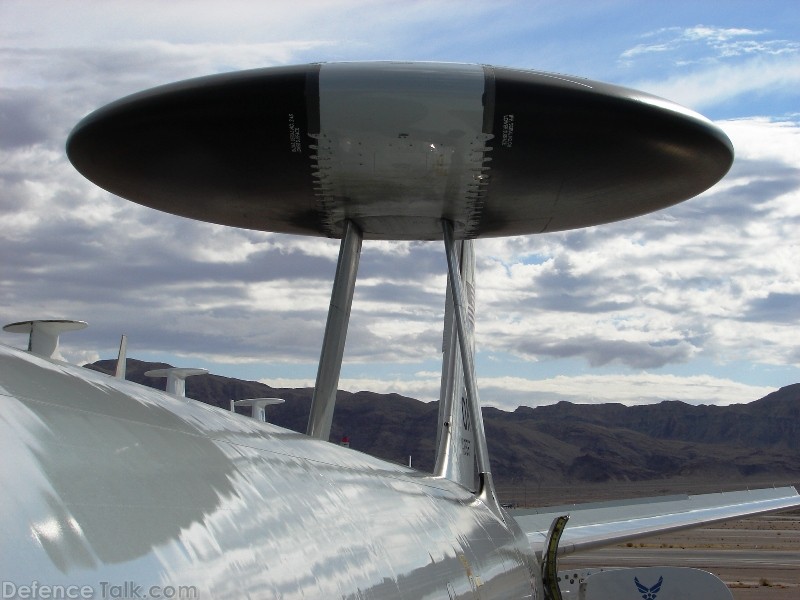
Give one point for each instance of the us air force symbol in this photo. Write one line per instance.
(649, 593)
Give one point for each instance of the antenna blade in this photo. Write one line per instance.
(122, 357)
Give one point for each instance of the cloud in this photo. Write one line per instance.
(27, 118)
(714, 65)
(662, 289)
(721, 83)
(700, 43)
(509, 392)
(713, 278)
(776, 307)
(598, 351)
(645, 388)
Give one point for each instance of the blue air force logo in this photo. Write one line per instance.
(649, 593)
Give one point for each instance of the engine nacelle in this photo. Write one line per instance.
(642, 583)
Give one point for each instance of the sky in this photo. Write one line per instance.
(698, 303)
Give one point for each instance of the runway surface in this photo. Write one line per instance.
(697, 559)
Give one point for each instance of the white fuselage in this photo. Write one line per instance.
(106, 481)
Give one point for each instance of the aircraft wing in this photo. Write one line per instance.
(605, 523)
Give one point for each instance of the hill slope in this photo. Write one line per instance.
(562, 443)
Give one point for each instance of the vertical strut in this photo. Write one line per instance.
(330, 360)
(486, 489)
(448, 383)
(455, 440)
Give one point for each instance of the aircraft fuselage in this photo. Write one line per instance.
(122, 483)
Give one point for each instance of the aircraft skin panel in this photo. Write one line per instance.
(596, 525)
(397, 147)
(597, 152)
(400, 146)
(105, 480)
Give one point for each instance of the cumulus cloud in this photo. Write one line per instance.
(715, 278)
(666, 288)
(509, 392)
(645, 388)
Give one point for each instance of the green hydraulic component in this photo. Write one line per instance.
(550, 558)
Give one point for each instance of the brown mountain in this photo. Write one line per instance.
(561, 443)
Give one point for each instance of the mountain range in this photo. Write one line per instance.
(563, 443)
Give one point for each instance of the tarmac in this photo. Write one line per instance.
(757, 558)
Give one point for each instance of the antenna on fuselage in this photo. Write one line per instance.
(122, 358)
(176, 378)
(256, 405)
(44, 333)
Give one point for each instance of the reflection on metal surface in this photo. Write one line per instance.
(125, 481)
